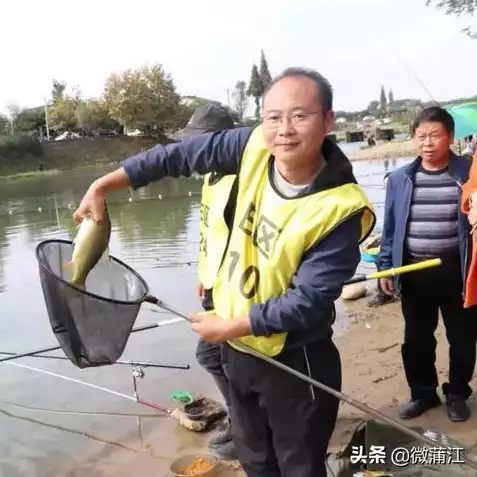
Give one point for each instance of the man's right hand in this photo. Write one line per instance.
(387, 285)
(93, 203)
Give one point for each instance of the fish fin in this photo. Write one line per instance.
(67, 265)
(105, 256)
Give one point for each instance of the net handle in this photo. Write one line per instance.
(341, 396)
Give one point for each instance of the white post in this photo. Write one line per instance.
(46, 123)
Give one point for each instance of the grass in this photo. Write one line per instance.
(25, 175)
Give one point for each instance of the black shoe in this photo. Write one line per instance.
(417, 407)
(221, 438)
(457, 409)
(226, 451)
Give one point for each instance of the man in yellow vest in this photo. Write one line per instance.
(215, 212)
(298, 221)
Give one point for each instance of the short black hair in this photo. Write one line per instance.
(434, 114)
(325, 90)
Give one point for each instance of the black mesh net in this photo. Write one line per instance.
(92, 326)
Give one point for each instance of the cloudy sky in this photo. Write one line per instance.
(208, 45)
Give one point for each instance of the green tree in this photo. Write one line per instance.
(62, 114)
(458, 7)
(62, 110)
(255, 89)
(390, 97)
(58, 90)
(4, 125)
(240, 99)
(145, 99)
(372, 106)
(264, 72)
(382, 99)
(93, 115)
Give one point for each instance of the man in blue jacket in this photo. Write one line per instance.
(422, 221)
(298, 220)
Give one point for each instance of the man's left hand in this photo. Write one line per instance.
(214, 329)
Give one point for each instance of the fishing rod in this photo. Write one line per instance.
(357, 279)
(142, 364)
(55, 348)
(313, 382)
(413, 267)
(177, 414)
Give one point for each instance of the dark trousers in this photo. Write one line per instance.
(281, 425)
(423, 294)
(210, 356)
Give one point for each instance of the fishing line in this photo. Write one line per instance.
(379, 37)
(90, 385)
(72, 431)
(79, 413)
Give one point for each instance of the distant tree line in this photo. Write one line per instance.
(144, 99)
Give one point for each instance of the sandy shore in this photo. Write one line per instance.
(372, 374)
(384, 150)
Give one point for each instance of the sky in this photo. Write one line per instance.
(208, 46)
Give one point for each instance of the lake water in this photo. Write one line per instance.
(155, 230)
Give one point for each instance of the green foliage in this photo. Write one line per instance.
(21, 151)
(93, 115)
(62, 115)
(255, 89)
(391, 97)
(29, 120)
(264, 72)
(373, 106)
(58, 90)
(145, 99)
(240, 99)
(4, 125)
(458, 7)
(382, 99)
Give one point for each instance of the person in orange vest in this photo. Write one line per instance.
(469, 207)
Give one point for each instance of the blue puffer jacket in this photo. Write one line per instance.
(396, 212)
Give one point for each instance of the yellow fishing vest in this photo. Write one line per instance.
(213, 229)
(270, 236)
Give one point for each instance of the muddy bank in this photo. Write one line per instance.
(384, 150)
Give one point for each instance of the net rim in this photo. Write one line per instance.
(44, 267)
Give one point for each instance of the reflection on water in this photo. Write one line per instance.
(155, 231)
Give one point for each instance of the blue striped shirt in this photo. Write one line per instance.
(432, 228)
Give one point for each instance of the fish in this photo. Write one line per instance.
(91, 245)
